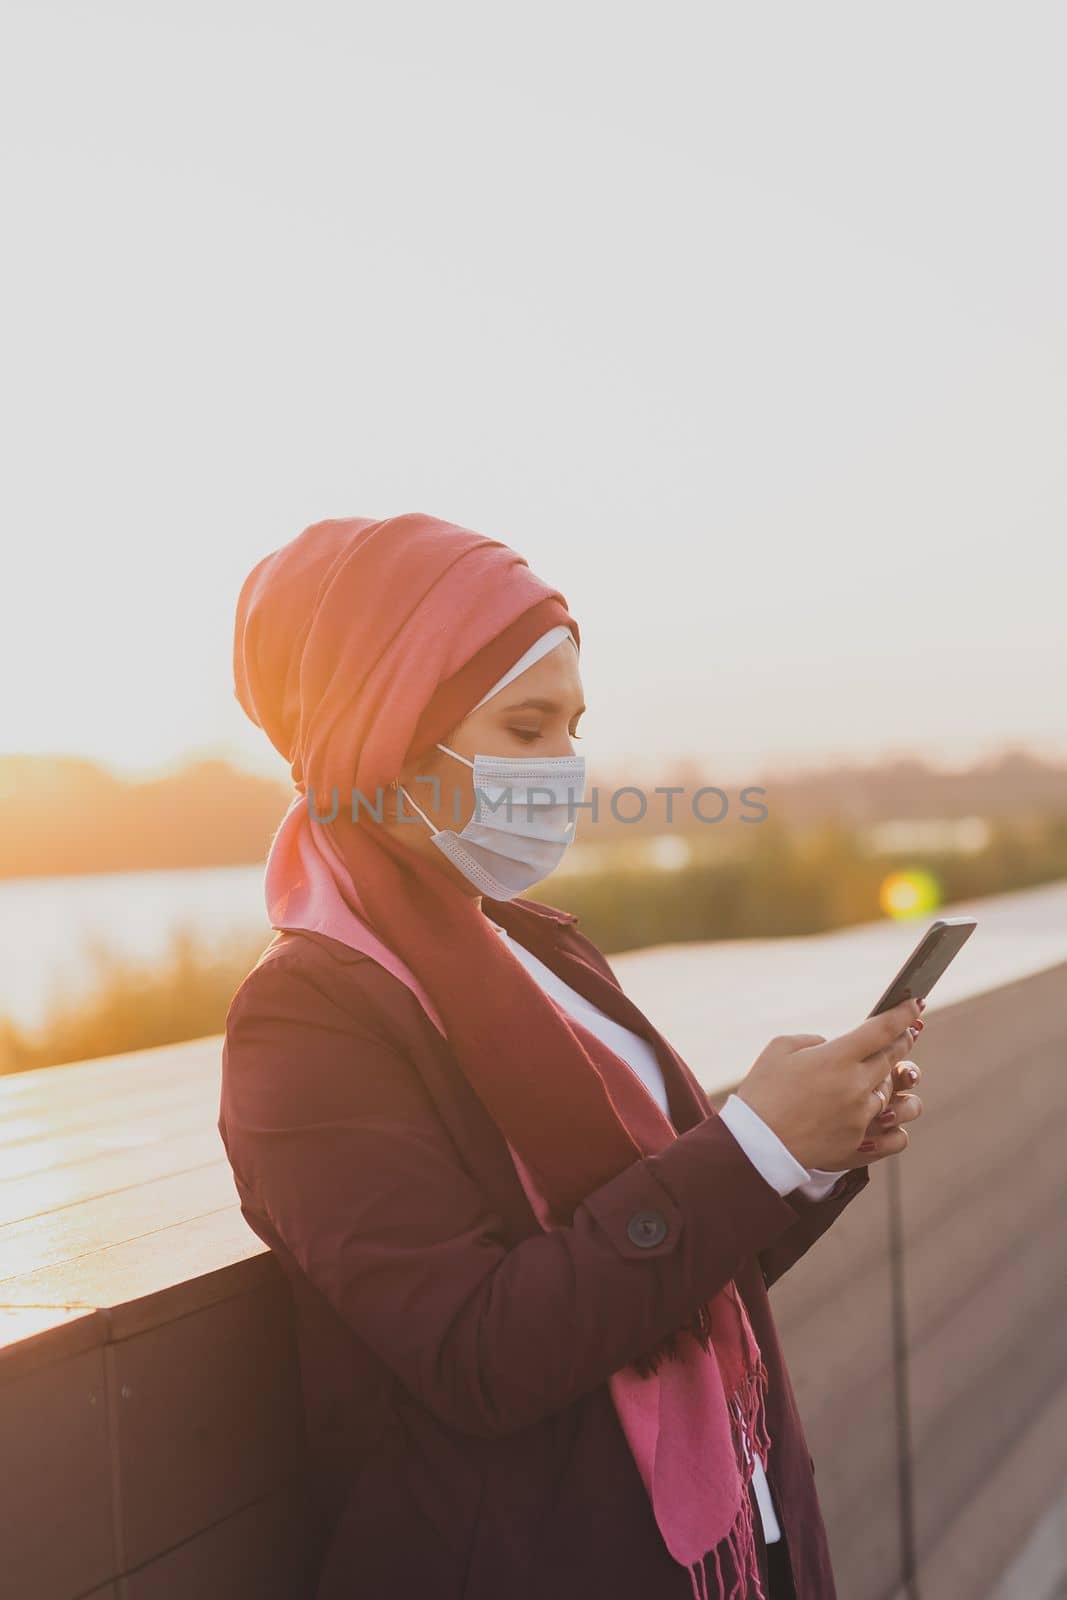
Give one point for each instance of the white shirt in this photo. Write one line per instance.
(775, 1164)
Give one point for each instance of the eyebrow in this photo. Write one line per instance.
(540, 705)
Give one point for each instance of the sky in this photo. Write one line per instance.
(744, 325)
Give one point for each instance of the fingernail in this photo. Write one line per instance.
(885, 1116)
(918, 1025)
(912, 1075)
(868, 1144)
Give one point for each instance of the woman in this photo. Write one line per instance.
(528, 1259)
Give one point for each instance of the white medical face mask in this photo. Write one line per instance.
(524, 819)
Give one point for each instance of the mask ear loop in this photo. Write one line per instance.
(418, 808)
(457, 755)
(396, 784)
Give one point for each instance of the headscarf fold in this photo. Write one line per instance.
(357, 646)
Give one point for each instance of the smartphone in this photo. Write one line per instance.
(942, 941)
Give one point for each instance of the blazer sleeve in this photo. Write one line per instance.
(333, 1137)
(812, 1218)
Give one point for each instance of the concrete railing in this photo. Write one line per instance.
(150, 1425)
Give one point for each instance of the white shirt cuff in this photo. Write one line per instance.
(775, 1164)
(819, 1184)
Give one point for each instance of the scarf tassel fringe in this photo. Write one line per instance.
(749, 1423)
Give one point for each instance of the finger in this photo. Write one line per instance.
(896, 1049)
(882, 1093)
(908, 1107)
(881, 1097)
(904, 1107)
(904, 1077)
(876, 1146)
(882, 1062)
(875, 1034)
(907, 1075)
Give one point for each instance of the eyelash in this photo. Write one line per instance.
(528, 738)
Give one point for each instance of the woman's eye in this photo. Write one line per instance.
(528, 735)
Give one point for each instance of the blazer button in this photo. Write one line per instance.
(647, 1228)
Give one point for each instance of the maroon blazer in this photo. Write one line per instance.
(454, 1356)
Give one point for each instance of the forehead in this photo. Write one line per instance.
(556, 673)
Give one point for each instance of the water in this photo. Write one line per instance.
(45, 924)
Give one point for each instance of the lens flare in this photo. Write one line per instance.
(910, 893)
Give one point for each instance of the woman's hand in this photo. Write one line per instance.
(823, 1098)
